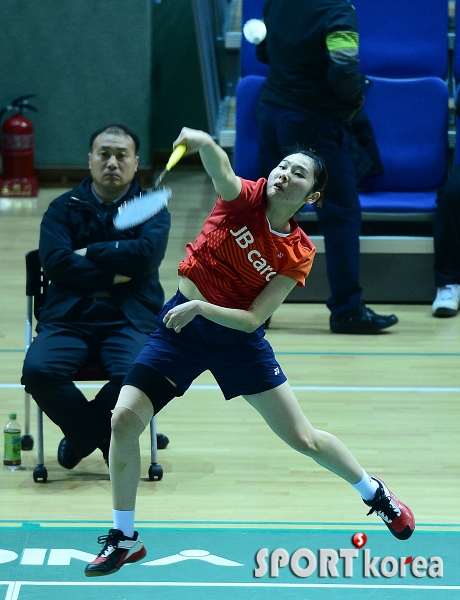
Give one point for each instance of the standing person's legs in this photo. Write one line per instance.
(270, 150)
(281, 411)
(340, 221)
(340, 218)
(446, 231)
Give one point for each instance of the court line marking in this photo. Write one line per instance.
(17, 585)
(299, 388)
(11, 588)
(338, 526)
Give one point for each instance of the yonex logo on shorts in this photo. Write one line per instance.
(244, 238)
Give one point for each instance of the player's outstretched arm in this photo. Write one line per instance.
(214, 159)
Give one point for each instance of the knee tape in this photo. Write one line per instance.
(137, 402)
(155, 386)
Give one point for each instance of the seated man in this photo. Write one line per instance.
(103, 297)
(447, 248)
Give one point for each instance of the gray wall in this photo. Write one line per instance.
(178, 98)
(91, 62)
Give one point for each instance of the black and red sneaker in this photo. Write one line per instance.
(117, 551)
(395, 514)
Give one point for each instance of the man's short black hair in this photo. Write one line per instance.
(118, 129)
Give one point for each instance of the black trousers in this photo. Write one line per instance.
(93, 329)
(340, 217)
(446, 231)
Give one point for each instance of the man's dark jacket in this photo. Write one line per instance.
(78, 220)
(302, 73)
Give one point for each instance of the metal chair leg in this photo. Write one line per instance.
(155, 470)
(40, 473)
(27, 441)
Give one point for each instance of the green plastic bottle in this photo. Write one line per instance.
(12, 437)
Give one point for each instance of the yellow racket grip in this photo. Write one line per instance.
(176, 155)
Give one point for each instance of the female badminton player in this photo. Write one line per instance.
(248, 256)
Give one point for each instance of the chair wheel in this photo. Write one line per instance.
(162, 441)
(40, 474)
(155, 472)
(27, 442)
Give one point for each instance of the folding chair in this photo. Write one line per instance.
(36, 287)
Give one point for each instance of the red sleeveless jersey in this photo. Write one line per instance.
(236, 254)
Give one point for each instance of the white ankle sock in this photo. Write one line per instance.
(124, 521)
(367, 487)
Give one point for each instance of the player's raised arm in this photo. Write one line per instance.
(214, 159)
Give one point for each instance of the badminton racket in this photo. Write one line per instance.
(146, 205)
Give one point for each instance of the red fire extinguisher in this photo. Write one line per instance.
(18, 179)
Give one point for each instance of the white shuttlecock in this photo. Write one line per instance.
(254, 31)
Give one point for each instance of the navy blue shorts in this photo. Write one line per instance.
(242, 363)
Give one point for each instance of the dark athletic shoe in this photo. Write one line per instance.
(66, 455)
(395, 514)
(361, 320)
(162, 441)
(117, 551)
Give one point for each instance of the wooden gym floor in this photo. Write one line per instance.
(393, 399)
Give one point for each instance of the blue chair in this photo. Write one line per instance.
(456, 58)
(457, 127)
(403, 38)
(410, 119)
(250, 65)
(246, 151)
(398, 38)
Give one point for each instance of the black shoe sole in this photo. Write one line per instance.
(362, 327)
(94, 573)
(69, 465)
(444, 313)
(402, 535)
(359, 329)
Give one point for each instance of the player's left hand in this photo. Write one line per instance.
(180, 316)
